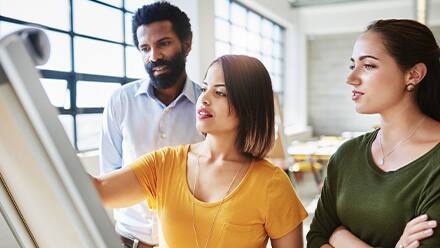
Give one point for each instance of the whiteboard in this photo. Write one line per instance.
(45, 194)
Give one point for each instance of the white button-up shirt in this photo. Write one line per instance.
(135, 122)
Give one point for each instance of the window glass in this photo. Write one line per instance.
(277, 66)
(97, 20)
(253, 22)
(133, 5)
(238, 50)
(56, 90)
(277, 34)
(94, 94)
(254, 54)
(56, 16)
(89, 128)
(8, 27)
(267, 61)
(277, 50)
(222, 48)
(267, 28)
(222, 30)
(222, 8)
(59, 52)
(135, 66)
(59, 58)
(276, 83)
(238, 36)
(267, 46)
(253, 41)
(238, 14)
(249, 33)
(128, 32)
(98, 57)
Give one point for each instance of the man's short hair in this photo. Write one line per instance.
(162, 11)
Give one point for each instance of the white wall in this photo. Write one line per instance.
(333, 20)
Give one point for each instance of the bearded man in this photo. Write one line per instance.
(148, 114)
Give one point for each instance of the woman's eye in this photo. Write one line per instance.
(203, 89)
(369, 67)
(351, 67)
(220, 93)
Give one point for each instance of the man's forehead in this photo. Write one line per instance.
(160, 28)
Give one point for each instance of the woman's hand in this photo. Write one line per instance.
(417, 229)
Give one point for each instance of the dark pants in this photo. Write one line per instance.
(129, 243)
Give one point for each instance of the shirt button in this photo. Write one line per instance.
(163, 135)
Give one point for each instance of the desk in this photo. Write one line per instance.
(313, 155)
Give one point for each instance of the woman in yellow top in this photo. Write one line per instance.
(220, 192)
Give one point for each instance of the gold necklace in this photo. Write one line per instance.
(382, 160)
(218, 210)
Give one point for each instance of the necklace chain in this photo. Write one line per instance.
(219, 208)
(403, 141)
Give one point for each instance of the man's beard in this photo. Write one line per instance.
(175, 66)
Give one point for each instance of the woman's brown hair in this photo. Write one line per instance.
(250, 94)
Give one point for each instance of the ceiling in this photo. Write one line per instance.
(304, 3)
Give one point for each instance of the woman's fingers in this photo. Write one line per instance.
(414, 244)
(412, 238)
(417, 220)
(421, 226)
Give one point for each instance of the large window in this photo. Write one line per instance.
(92, 54)
(240, 30)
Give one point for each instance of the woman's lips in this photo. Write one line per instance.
(356, 95)
(203, 113)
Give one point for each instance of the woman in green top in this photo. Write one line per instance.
(383, 188)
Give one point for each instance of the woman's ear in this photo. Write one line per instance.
(416, 74)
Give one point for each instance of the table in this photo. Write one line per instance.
(313, 156)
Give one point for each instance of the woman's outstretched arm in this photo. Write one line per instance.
(119, 189)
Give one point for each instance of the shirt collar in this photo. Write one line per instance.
(189, 90)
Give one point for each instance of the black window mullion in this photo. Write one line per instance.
(71, 82)
(124, 43)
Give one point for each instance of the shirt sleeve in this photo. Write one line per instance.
(430, 204)
(325, 220)
(146, 171)
(110, 148)
(285, 211)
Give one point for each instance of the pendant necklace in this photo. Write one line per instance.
(219, 207)
(403, 141)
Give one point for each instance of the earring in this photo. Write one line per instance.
(410, 87)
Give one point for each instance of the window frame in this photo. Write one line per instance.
(72, 77)
(281, 42)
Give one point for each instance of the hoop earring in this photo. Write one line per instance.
(410, 87)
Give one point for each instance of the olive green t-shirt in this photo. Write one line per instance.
(372, 204)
